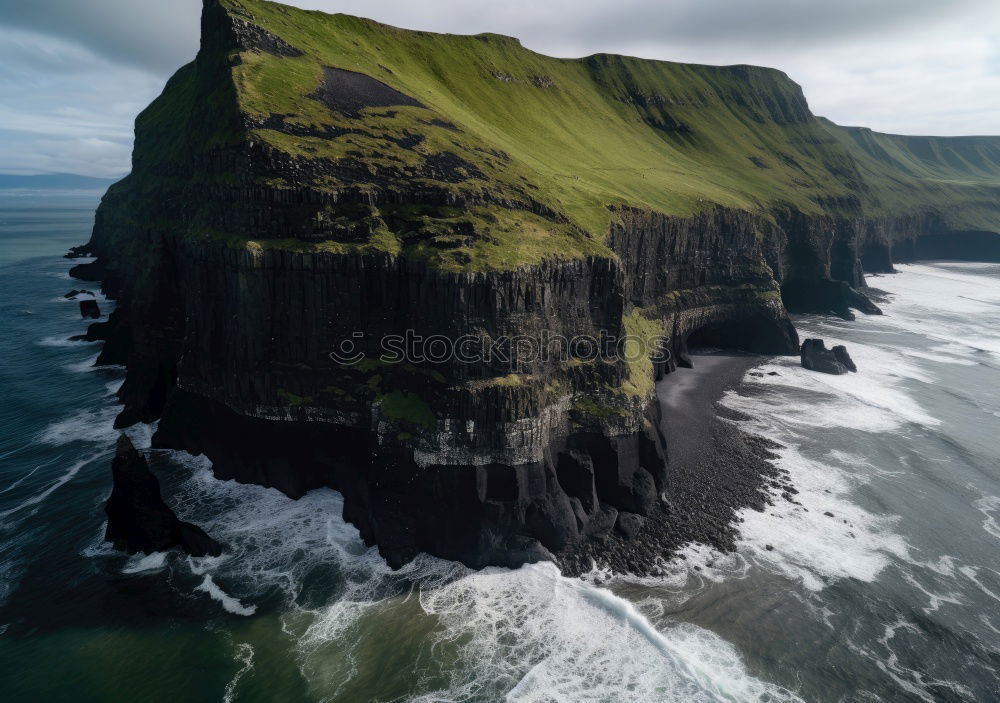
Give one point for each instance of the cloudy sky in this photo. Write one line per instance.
(73, 74)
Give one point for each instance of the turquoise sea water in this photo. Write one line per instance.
(881, 582)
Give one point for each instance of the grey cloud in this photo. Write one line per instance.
(154, 34)
(161, 36)
(758, 22)
(558, 26)
(65, 109)
(89, 156)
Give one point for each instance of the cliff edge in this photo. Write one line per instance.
(313, 185)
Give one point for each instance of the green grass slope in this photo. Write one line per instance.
(544, 148)
(957, 175)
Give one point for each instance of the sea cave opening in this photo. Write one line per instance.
(757, 334)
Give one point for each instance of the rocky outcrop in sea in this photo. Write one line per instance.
(138, 519)
(816, 357)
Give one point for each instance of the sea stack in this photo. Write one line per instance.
(89, 308)
(138, 519)
(816, 357)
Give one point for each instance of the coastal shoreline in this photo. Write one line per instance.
(714, 470)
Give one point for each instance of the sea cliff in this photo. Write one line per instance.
(312, 179)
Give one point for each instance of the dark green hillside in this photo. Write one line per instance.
(957, 176)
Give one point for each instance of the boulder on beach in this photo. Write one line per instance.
(816, 357)
(89, 308)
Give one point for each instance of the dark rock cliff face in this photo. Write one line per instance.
(230, 351)
(501, 513)
(232, 356)
(707, 277)
(496, 459)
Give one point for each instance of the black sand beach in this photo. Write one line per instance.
(714, 470)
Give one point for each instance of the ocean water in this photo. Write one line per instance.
(880, 582)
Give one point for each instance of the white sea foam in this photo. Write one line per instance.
(934, 600)
(276, 539)
(941, 354)
(967, 265)
(800, 538)
(29, 474)
(76, 298)
(694, 569)
(872, 400)
(534, 635)
(85, 366)
(244, 656)
(961, 320)
(230, 604)
(989, 507)
(14, 451)
(89, 365)
(972, 573)
(796, 406)
(71, 471)
(92, 295)
(527, 634)
(62, 342)
(809, 545)
(94, 425)
(99, 547)
(145, 562)
(915, 683)
(140, 433)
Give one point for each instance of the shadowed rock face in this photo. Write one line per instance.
(138, 519)
(261, 227)
(236, 29)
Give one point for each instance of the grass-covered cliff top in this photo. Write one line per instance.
(366, 106)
